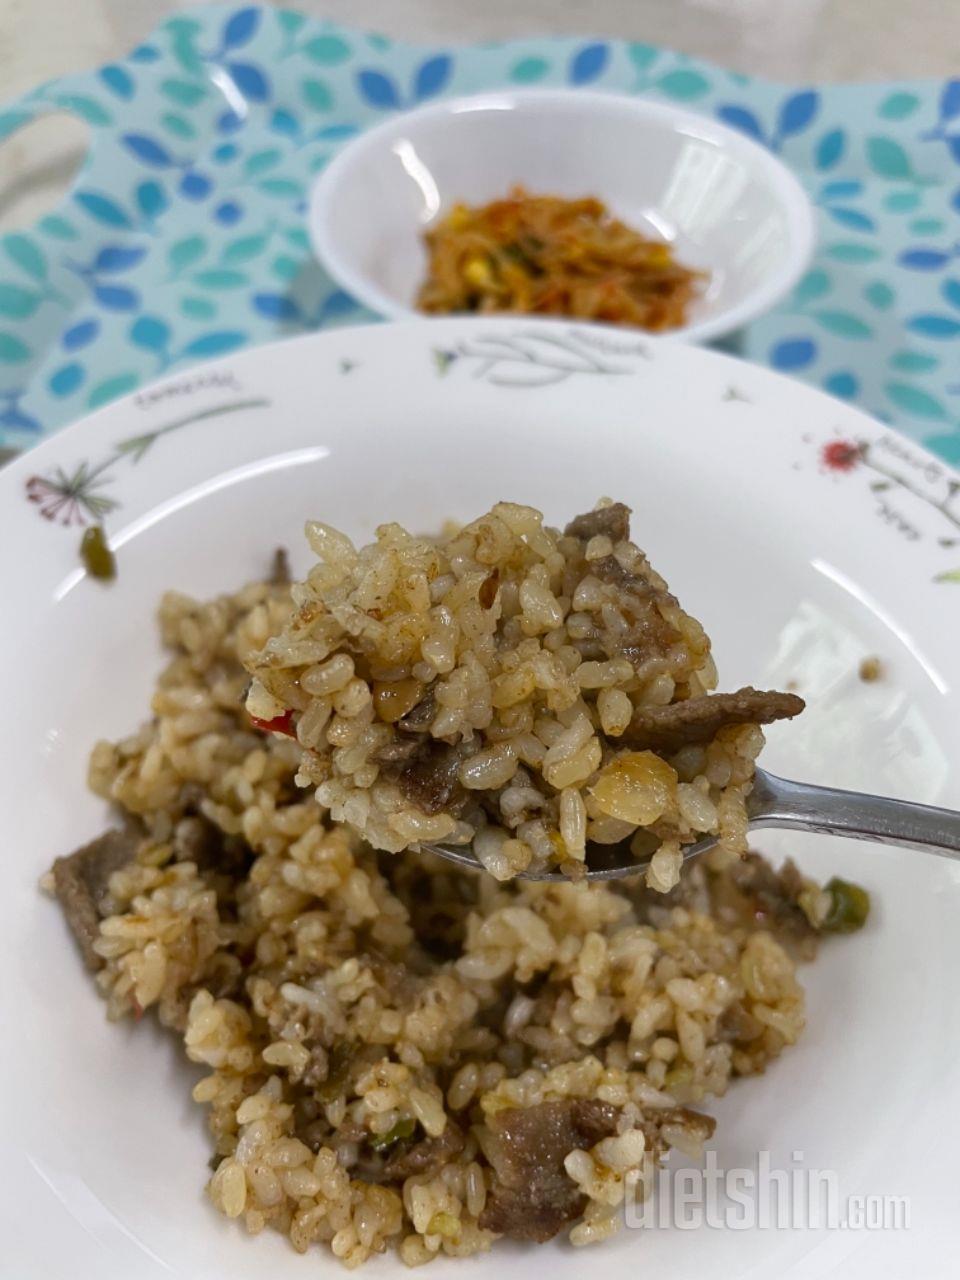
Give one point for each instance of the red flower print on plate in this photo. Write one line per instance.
(841, 455)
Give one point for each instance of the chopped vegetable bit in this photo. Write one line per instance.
(477, 271)
(638, 787)
(444, 1224)
(338, 1073)
(871, 669)
(402, 1129)
(849, 907)
(279, 724)
(96, 555)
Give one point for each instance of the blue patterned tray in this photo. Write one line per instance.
(183, 236)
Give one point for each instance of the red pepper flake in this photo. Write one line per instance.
(840, 455)
(137, 1008)
(279, 724)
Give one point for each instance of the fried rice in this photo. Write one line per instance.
(510, 687)
(399, 1054)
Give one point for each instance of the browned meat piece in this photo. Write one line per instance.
(397, 752)
(439, 900)
(695, 1123)
(351, 1131)
(701, 718)
(426, 1157)
(280, 568)
(81, 881)
(419, 718)
(532, 1197)
(613, 521)
(609, 569)
(223, 978)
(197, 839)
(650, 637)
(738, 1025)
(767, 898)
(430, 779)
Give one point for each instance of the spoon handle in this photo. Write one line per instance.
(777, 802)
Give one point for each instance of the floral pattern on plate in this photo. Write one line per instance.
(912, 492)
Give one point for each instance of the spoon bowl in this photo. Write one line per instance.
(778, 802)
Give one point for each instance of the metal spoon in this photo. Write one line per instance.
(776, 802)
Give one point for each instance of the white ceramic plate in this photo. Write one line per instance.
(805, 536)
(727, 205)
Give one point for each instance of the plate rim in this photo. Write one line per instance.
(23, 461)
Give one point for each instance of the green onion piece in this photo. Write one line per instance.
(849, 907)
(402, 1129)
(96, 555)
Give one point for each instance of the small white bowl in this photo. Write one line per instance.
(726, 204)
